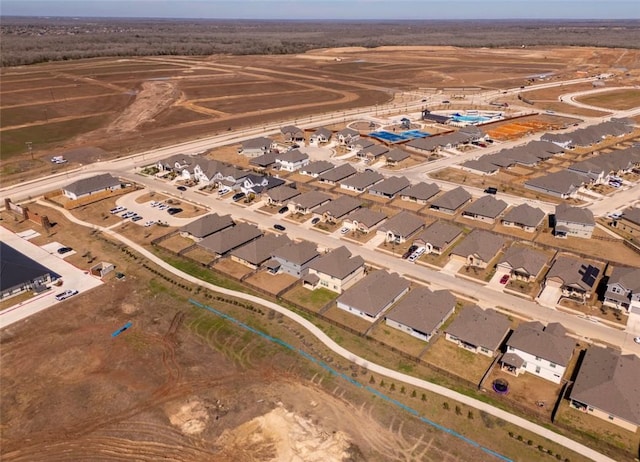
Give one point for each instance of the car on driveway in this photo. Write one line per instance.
(315, 221)
(344, 230)
(279, 227)
(504, 279)
(409, 251)
(66, 294)
(182, 188)
(63, 250)
(637, 340)
(236, 197)
(284, 209)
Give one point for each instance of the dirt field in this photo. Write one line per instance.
(615, 99)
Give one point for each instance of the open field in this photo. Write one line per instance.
(615, 99)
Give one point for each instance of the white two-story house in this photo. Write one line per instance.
(623, 289)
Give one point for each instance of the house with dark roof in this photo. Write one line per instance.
(390, 187)
(316, 168)
(281, 195)
(573, 221)
(258, 251)
(576, 277)
(607, 387)
(336, 209)
(256, 146)
(451, 201)
(336, 270)
(293, 258)
(206, 225)
(630, 221)
(292, 160)
(478, 248)
(292, 134)
(346, 136)
(360, 182)
(420, 192)
(422, 312)
(359, 144)
(373, 295)
(306, 202)
(485, 209)
(365, 219)
(623, 289)
(438, 237)
(523, 217)
(479, 331)
(337, 174)
(176, 163)
(264, 161)
(19, 273)
(562, 184)
(522, 263)
(539, 350)
(92, 185)
(321, 135)
(395, 156)
(372, 153)
(229, 239)
(257, 184)
(401, 227)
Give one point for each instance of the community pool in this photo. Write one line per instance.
(473, 117)
(390, 137)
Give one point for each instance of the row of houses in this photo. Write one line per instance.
(528, 155)
(589, 136)
(465, 136)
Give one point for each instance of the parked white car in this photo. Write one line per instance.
(66, 294)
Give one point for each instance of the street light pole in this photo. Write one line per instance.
(30, 148)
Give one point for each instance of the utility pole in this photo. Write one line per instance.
(30, 148)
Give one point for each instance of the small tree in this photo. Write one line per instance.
(413, 394)
(424, 397)
(393, 387)
(458, 410)
(445, 406)
(402, 390)
(470, 415)
(372, 380)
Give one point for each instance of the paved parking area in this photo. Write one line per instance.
(147, 212)
(52, 248)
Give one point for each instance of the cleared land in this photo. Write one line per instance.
(615, 99)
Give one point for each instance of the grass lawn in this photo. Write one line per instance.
(272, 283)
(458, 361)
(98, 212)
(614, 99)
(312, 299)
(398, 339)
(176, 242)
(232, 268)
(17, 299)
(200, 255)
(347, 319)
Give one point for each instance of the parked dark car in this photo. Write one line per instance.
(409, 251)
(174, 210)
(63, 250)
(238, 196)
(279, 227)
(491, 190)
(182, 188)
(284, 209)
(315, 220)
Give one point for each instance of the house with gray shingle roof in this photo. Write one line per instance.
(294, 258)
(478, 248)
(347, 136)
(575, 276)
(630, 221)
(365, 219)
(395, 156)
(562, 184)
(264, 161)
(225, 241)
(420, 192)
(373, 295)
(316, 168)
(256, 146)
(359, 144)
(92, 185)
(623, 289)
(485, 209)
(336, 209)
(292, 134)
(361, 181)
(522, 263)
(607, 387)
(321, 135)
(390, 187)
(336, 270)
(539, 350)
(438, 237)
(401, 227)
(292, 160)
(573, 221)
(479, 331)
(422, 312)
(373, 153)
(306, 202)
(524, 217)
(337, 174)
(258, 251)
(451, 201)
(206, 225)
(281, 195)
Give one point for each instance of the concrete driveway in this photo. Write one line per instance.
(550, 296)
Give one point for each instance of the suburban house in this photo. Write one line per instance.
(19, 273)
(316, 168)
(359, 144)
(623, 289)
(390, 187)
(281, 195)
(257, 184)
(422, 312)
(228, 239)
(92, 185)
(529, 154)
(346, 136)
(293, 258)
(373, 295)
(574, 277)
(292, 160)
(258, 251)
(478, 248)
(337, 174)
(485, 209)
(438, 237)
(524, 217)
(594, 134)
(207, 171)
(562, 184)
(364, 219)
(522, 263)
(630, 221)
(607, 387)
(336, 270)
(176, 163)
(336, 209)
(539, 350)
(479, 331)
(321, 135)
(395, 156)
(206, 225)
(264, 161)
(306, 202)
(573, 221)
(401, 227)
(451, 201)
(292, 134)
(361, 181)
(372, 153)
(256, 146)
(420, 192)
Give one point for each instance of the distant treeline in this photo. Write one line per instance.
(35, 40)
